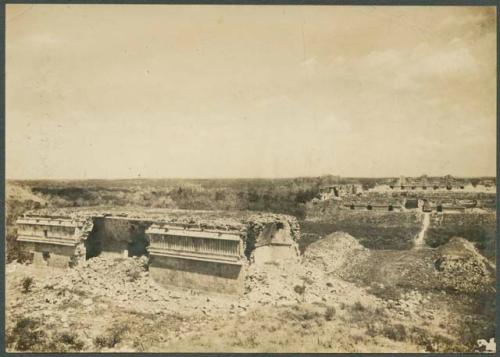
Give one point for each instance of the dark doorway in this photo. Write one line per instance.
(94, 240)
(46, 256)
(139, 242)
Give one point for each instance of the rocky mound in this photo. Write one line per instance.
(126, 283)
(336, 253)
(315, 280)
(274, 283)
(455, 266)
(121, 278)
(462, 268)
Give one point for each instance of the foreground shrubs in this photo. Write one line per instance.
(111, 338)
(66, 342)
(26, 335)
(27, 284)
(31, 335)
(395, 332)
(330, 313)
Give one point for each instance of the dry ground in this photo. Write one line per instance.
(113, 305)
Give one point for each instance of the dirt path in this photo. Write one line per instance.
(419, 240)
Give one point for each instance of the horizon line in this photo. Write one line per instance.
(237, 178)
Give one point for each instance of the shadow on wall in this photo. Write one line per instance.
(227, 271)
(138, 241)
(93, 242)
(118, 237)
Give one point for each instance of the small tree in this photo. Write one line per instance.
(329, 313)
(27, 284)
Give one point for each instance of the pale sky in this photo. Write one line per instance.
(118, 91)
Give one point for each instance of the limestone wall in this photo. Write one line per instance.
(208, 276)
(479, 228)
(374, 229)
(51, 255)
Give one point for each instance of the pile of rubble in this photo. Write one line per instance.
(462, 268)
(273, 283)
(126, 282)
(336, 253)
(318, 278)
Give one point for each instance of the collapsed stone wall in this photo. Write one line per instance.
(113, 231)
(182, 263)
(257, 223)
(479, 228)
(373, 229)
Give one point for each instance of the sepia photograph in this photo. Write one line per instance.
(250, 178)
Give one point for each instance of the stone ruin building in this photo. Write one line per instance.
(338, 191)
(446, 194)
(424, 182)
(205, 250)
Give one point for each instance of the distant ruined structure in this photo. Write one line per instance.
(423, 182)
(339, 191)
(206, 250)
(424, 193)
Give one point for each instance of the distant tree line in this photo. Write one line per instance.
(275, 195)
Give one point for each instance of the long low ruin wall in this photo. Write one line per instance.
(479, 228)
(208, 276)
(374, 229)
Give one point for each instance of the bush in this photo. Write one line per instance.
(66, 342)
(299, 289)
(111, 338)
(72, 340)
(358, 306)
(302, 313)
(26, 335)
(329, 313)
(27, 284)
(395, 332)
